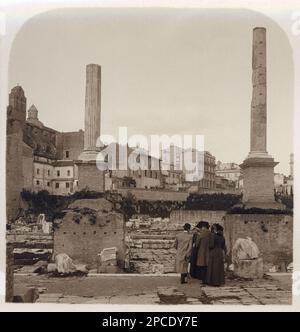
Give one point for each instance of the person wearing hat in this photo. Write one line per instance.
(201, 245)
(215, 270)
(183, 244)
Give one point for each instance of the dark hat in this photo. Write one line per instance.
(199, 224)
(187, 227)
(206, 224)
(219, 228)
(203, 223)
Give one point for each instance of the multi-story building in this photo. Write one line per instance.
(201, 173)
(204, 177)
(209, 177)
(58, 177)
(145, 175)
(48, 157)
(171, 165)
(229, 171)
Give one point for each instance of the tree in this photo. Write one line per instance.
(128, 205)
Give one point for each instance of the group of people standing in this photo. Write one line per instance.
(201, 253)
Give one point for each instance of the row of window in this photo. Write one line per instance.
(151, 174)
(38, 171)
(147, 173)
(174, 175)
(84, 233)
(209, 160)
(210, 176)
(207, 184)
(57, 184)
(209, 168)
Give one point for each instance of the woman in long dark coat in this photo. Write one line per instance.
(215, 270)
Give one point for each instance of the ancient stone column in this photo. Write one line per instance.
(89, 176)
(92, 106)
(258, 167)
(259, 94)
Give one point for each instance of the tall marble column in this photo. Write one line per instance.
(89, 176)
(259, 94)
(258, 167)
(92, 106)
(92, 112)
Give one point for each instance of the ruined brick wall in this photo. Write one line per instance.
(16, 116)
(42, 139)
(273, 235)
(30, 247)
(27, 165)
(70, 145)
(150, 242)
(193, 216)
(89, 226)
(150, 254)
(14, 174)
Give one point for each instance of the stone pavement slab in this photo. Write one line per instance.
(145, 289)
(270, 295)
(49, 298)
(135, 299)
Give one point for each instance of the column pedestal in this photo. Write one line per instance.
(89, 176)
(258, 178)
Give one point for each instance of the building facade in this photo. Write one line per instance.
(146, 174)
(190, 169)
(230, 171)
(44, 157)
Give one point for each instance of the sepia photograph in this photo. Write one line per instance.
(149, 158)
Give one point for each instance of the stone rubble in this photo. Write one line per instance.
(150, 243)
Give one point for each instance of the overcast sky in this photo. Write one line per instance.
(164, 71)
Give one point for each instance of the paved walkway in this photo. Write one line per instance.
(133, 289)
